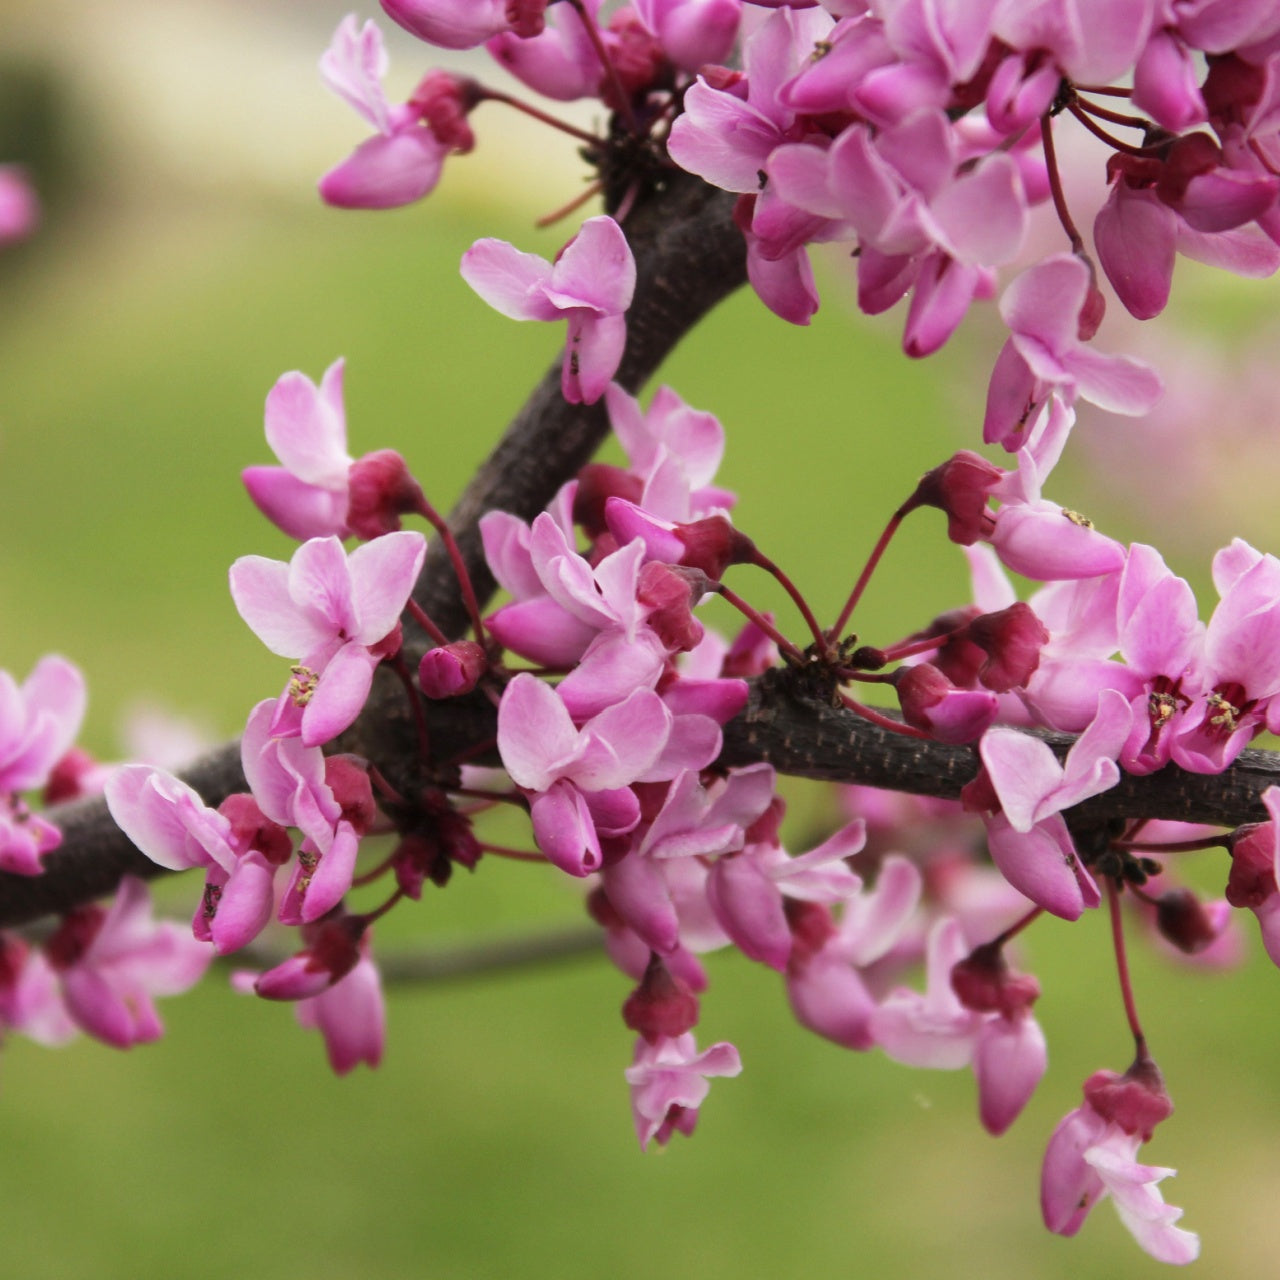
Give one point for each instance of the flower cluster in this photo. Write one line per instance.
(922, 136)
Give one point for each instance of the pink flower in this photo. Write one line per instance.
(19, 208)
(1092, 1154)
(307, 430)
(112, 962)
(590, 285)
(338, 612)
(169, 823)
(402, 161)
(350, 1015)
(668, 1082)
(1043, 308)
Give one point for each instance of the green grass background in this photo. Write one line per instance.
(496, 1140)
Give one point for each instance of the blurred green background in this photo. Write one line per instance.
(184, 265)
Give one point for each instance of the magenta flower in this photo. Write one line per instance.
(306, 428)
(19, 208)
(402, 161)
(1043, 308)
(337, 613)
(668, 1082)
(169, 823)
(590, 285)
(1092, 1154)
(112, 962)
(454, 24)
(351, 1016)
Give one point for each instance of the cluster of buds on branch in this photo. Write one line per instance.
(923, 136)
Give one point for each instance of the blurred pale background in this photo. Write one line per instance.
(184, 265)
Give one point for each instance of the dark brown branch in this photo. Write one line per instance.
(689, 256)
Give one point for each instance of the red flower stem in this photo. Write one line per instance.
(384, 787)
(1110, 90)
(415, 702)
(754, 615)
(593, 34)
(369, 877)
(884, 721)
(1174, 846)
(909, 648)
(1016, 928)
(441, 526)
(762, 561)
(1115, 117)
(378, 912)
(1099, 132)
(493, 95)
(1122, 969)
(868, 569)
(419, 614)
(517, 855)
(1055, 188)
(548, 219)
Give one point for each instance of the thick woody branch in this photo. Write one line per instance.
(689, 256)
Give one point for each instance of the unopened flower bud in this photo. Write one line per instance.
(670, 593)
(353, 790)
(932, 703)
(252, 829)
(1253, 877)
(1012, 638)
(443, 100)
(381, 491)
(983, 982)
(450, 670)
(332, 952)
(960, 488)
(1182, 918)
(597, 483)
(662, 1005)
(1136, 1101)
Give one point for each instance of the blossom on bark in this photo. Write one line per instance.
(337, 613)
(590, 285)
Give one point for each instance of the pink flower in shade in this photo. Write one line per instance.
(238, 846)
(1045, 308)
(1036, 537)
(556, 58)
(590, 285)
(580, 778)
(1239, 667)
(110, 964)
(747, 890)
(1255, 873)
(1028, 839)
(38, 722)
(340, 613)
(296, 786)
(460, 24)
(825, 982)
(669, 1080)
(999, 1038)
(38, 725)
(692, 32)
(402, 161)
(19, 208)
(350, 1015)
(30, 1001)
(306, 428)
(1092, 1154)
